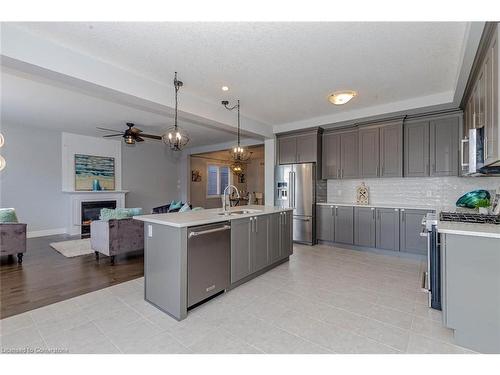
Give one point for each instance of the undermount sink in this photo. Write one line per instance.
(240, 212)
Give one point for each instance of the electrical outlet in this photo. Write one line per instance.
(150, 230)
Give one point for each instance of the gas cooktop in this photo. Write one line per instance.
(469, 218)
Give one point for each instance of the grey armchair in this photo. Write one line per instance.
(13, 240)
(115, 237)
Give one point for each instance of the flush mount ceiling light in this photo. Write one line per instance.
(225, 88)
(341, 97)
(237, 153)
(175, 137)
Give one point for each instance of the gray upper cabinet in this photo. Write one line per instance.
(307, 148)
(444, 139)
(349, 166)
(324, 223)
(416, 149)
(299, 148)
(369, 152)
(364, 226)
(287, 150)
(410, 228)
(260, 250)
(331, 156)
(387, 231)
(391, 150)
(241, 262)
(344, 224)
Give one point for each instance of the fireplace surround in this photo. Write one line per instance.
(91, 211)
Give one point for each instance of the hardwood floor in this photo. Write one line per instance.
(46, 277)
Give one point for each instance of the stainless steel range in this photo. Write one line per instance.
(465, 217)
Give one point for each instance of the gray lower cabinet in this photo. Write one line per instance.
(364, 226)
(324, 223)
(387, 229)
(241, 241)
(444, 140)
(369, 152)
(344, 224)
(259, 242)
(410, 228)
(274, 237)
(286, 242)
(416, 149)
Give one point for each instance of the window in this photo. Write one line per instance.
(217, 180)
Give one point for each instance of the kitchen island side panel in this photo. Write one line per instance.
(472, 291)
(165, 268)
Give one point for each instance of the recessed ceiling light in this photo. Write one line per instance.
(225, 88)
(341, 97)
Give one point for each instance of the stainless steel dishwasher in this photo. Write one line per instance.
(208, 259)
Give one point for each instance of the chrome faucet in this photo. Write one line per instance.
(224, 206)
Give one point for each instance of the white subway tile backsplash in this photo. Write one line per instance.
(431, 191)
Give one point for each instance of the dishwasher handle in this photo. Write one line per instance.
(208, 231)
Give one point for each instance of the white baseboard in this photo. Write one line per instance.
(46, 232)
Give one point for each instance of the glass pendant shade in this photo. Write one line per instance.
(239, 153)
(175, 137)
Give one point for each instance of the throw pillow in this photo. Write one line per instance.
(185, 208)
(175, 206)
(8, 215)
(197, 209)
(123, 213)
(107, 214)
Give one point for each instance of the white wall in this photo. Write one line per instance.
(433, 191)
(80, 144)
(32, 182)
(150, 174)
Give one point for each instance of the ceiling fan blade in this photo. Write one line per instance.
(112, 135)
(151, 136)
(135, 130)
(108, 130)
(139, 139)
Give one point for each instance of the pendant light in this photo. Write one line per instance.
(238, 153)
(175, 137)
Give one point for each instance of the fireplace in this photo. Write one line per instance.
(91, 211)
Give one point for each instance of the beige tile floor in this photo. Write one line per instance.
(325, 300)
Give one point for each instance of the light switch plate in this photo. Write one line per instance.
(150, 230)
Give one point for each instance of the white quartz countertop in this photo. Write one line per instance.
(469, 229)
(383, 205)
(193, 218)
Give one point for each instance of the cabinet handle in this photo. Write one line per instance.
(336, 211)
(255, 225)
(382, 172)
(338, 172)
(373, 211)
(403, 216)
(485, 148)
(376, 170)
(462, 143)
(251, 224)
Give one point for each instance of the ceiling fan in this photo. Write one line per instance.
(131, 135)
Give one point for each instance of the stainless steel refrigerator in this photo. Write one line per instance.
(295, 188)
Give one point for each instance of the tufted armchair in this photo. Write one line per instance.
(13, 239)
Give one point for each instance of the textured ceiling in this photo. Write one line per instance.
(282, 72)
(27, 100)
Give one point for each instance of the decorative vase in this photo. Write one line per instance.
(96, 186)
(470, 199)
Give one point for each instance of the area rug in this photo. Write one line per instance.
(73, 248)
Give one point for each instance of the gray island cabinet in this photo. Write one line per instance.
(470, 284)
(260, 239)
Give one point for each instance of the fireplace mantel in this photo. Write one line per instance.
(75, 199)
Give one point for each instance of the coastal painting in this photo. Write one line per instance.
(89, 168)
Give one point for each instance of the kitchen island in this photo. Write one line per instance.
(191, 256)
(470, 268)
